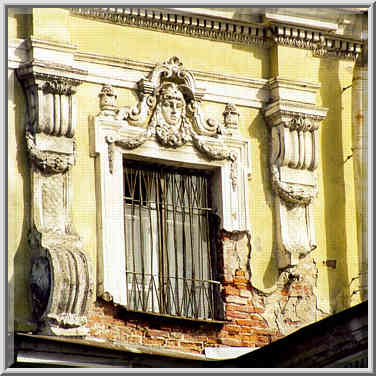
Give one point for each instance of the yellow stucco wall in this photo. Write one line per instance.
(334, 208)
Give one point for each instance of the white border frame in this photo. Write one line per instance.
(231, 204)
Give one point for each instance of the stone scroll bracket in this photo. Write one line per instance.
(61, 281)
(294, 158)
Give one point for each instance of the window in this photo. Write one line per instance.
(170, 263)
(155, 220)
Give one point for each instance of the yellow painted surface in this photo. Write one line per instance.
(155, 47)
(334, 208)
(12, 25)
(51, 24)
(18, 208)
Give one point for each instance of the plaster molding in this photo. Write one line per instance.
(149, 133)
(294, 158)
(220, 88)
(299, 21)
(320, 42)
(165, 20)
(290, 31)
(303, 92)
(125, 73)
(56, 52)
(61, 283)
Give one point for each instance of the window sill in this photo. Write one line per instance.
(173, 317)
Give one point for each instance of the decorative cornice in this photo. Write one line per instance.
(321, 42)
(191, 25)
(318, 41)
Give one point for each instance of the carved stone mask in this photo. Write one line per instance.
(172, 104)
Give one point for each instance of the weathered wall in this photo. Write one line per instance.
(261, 304)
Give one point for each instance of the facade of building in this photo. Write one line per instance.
(185, 181)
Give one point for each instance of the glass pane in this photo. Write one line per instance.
(167, 243)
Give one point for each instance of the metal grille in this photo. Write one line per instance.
(169, 259)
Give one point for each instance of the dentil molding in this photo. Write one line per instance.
(317, 37)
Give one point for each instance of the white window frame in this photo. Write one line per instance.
(230, 198)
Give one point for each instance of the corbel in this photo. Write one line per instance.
(294, 158)
(61, 281)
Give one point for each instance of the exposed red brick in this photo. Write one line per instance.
(285, 292)
(225, 334)
(262, 341)
(240, 308)
(269, 332)
(248, 339)
(165, 328)
(176, 335)
(230, 290)
(153, 341)
(232, 328)
(239, 273)
(195, 338)
(156, 333)
(236, 299)
(212, 341)
(236, 315)
(135, 339)
(191, 346)
(251, 323)
(172, 343)
(258, 310)
(231, 342)
(255, 317)
(128, 330)
(95, 317)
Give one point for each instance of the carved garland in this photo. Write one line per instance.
(171, 77)
(291, 193)
(49, 162)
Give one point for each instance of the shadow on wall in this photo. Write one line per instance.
(21, 261)
(258, 130)
(258, 53)
(332, 162)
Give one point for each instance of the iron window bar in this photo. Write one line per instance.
(168, 249)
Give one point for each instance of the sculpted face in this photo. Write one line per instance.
(172, 104)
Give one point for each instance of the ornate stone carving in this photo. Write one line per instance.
(320, 44)
(293, 161)
(261, 35)
(159, 20)
(107, 101)
(61, 277)
(47, 161)
(168, 127)
(231, 117)
(60, 283)
(172, 98)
